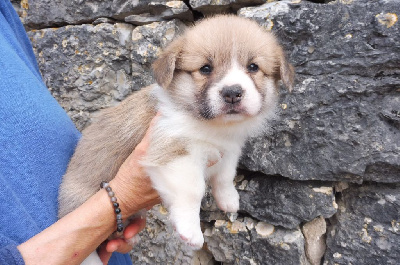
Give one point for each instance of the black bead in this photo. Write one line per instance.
(118, 210)
(116, 204)
(120, 229)
(102, 184)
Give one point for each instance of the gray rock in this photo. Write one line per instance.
(209, 7)
(284, 202)
(89, 67)
(367, 228)
(85, 67)
(147, 43)
(50, 13)
(159, 243)
(247, 241)
(149, 40)
(161, 12)
(342, 120)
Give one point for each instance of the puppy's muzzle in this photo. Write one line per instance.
(232, 94)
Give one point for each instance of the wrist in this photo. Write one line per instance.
(124, 199)
(114, 201)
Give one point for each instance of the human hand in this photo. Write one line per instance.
(121, 245)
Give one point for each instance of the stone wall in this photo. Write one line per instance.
(323, 186)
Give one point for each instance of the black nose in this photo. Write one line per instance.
(232, 94)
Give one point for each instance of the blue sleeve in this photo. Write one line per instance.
(9, 255)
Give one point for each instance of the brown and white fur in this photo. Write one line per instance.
(206, 114)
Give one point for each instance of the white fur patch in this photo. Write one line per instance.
(251, 102)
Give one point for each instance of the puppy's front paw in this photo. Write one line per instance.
(194, 238)
(227, 199)
(189, 231)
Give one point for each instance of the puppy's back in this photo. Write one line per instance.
(104, 146)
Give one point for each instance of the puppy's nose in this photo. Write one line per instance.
(232, 94)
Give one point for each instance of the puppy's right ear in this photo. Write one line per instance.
(164, 66)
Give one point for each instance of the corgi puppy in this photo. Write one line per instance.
(217, 84)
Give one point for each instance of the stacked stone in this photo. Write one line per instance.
(323, 186)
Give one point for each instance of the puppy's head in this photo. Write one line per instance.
(224, 68)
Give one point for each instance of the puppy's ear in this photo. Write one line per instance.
(164, 66)
(286, 71)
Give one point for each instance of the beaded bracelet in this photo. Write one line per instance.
(117, 210)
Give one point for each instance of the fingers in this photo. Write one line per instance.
(134, 228)
(119, 244)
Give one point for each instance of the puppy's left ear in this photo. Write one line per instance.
(286, 71)
(164, 66)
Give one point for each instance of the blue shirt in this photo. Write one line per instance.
(37, 139)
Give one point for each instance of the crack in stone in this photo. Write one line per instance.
(197, 15)
(320, 1)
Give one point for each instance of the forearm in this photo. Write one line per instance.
(75, 236)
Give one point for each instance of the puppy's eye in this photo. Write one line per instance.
(206, 69)
(252, 68)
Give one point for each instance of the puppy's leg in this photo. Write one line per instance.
(223, 190)
(181, 186)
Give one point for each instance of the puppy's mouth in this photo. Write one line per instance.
(233, 114)
(233, 111)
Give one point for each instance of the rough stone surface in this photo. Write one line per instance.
(210, 7)
(50, 13)
(159, 244)
(277, 201)
(98, 65)
(246, 241)
(367, 228)
(340, 125)
(342, 120)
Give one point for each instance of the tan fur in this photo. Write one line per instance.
(162, 151)
(108, 141)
